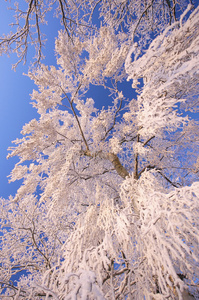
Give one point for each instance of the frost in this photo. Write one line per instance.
(109, 203)
(115, 146)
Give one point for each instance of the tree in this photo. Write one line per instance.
(109, 204)
(77, 17)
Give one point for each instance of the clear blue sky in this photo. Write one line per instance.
(15, 90)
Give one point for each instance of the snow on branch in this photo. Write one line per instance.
(169, 226)
(170, 64)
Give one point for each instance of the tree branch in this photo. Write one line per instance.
(113, 158)
(136, 161)
(114, 121)
(140, 18)
(165, 177)
(148, 140)
(117, 165)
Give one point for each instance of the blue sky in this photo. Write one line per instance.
(15, 90)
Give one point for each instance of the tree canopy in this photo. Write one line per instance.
(109, 204)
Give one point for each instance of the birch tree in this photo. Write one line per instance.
(109, 204)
